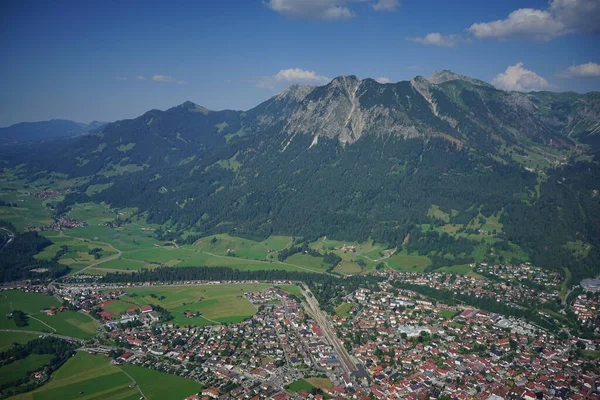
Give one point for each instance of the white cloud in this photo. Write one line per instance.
(561, 17)
(292, 75)
(437, 39)
(166, 79)
(121, 78)
(300, 75)
(520, 79)
(587, 70)
(383, 79)
(386, 5)
(326, 9)
(140, 77)
(312, 9)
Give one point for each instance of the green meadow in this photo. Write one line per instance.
(8, 338)
(68, 323)
(158, 385)
(85, 377)
(23, 367)
(213, 303)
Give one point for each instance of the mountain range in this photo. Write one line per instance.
(42, 130)
(424, 165)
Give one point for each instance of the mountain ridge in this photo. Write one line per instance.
(41, 130)
(356, 160)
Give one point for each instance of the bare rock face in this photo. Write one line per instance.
(342, 109)
(447, 105)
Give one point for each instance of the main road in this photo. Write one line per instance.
(313, 308)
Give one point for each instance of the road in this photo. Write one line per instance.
(313, 308)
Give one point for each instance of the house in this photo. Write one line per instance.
(105, 315)
(211, 392)
(146, 309)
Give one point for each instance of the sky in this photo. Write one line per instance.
(110, 60)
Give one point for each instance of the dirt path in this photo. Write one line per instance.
(136, 384)
(39, 320)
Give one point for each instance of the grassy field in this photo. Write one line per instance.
(158, 385)
(85, 377)
(457, 269)
(21, 368)
(321, 383)
(291, 289)
(591, 354)
(448, 314)
(215, 303)
(8, 338)
(408, 262)
(118, 306)
(344, 309)
(244, 248)
(68, 323)
(300, 385)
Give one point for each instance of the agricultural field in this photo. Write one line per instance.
(88, 377)
(68, 323)
(158, 385)
(215, 304)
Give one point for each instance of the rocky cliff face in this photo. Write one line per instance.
(447, 105)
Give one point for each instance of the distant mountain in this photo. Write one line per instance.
(33, 131)
(420, 164)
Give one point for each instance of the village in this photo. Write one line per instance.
(404, 344)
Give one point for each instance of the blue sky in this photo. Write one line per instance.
(86, 60)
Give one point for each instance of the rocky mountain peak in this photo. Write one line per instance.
(446, 75)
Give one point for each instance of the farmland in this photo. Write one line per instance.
(158, 385)
(68, 323)
(213, 303)
(85, 377)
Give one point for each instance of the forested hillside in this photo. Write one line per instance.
(422, 165)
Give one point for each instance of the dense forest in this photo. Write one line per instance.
(17, 261)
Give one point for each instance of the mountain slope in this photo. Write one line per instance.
(357, 160)
(32, 131)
